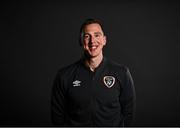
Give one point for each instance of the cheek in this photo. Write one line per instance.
(85, 45)
(103, 42)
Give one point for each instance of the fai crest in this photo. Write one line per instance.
(109, 81)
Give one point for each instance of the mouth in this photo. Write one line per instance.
(92, 48)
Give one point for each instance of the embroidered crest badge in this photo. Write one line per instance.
(109, 81)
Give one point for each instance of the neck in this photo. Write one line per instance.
(93, 62)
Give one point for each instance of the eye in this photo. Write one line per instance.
(97, 35)
(86, 36)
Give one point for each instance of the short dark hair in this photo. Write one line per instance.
(85, 23)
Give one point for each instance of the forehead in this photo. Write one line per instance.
(92, 28)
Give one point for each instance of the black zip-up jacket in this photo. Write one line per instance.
(105, 97)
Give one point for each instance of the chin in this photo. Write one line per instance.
(93, 55)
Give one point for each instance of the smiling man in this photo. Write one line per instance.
(94, 91)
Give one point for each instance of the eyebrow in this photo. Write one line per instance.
(94, 33)
(98, 33)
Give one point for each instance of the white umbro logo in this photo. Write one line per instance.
(76, 83)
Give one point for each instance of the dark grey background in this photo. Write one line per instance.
(38, 38)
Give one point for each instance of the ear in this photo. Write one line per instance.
(81, 39)
(104, 40)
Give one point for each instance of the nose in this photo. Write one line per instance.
(92, 39)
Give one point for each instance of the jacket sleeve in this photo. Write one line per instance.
(127, 98)
(58, 101)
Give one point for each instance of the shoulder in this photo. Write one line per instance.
(68, 70)
(120, 70)
(117, 66)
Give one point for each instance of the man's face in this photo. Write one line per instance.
(93, 40)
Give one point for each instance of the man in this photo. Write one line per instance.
(94, 91)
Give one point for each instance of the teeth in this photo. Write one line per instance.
(94, 47)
